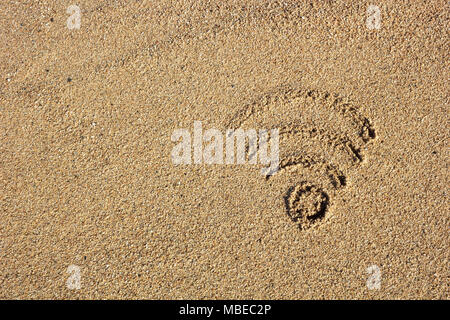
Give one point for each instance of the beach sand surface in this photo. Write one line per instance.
(87, 179)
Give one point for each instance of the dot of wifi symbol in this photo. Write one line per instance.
(321, 137)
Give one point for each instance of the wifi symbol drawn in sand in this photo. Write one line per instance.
(321, 137)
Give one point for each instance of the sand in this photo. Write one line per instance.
(92, 206)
